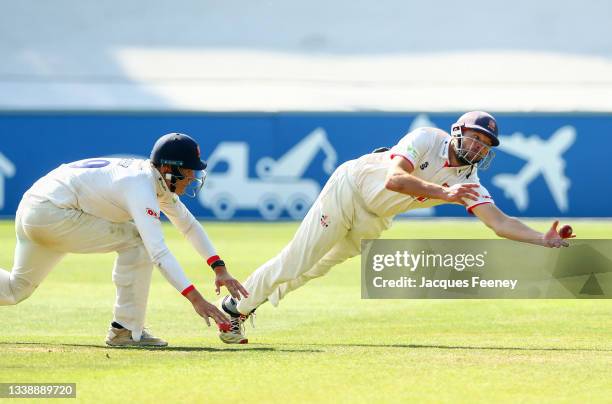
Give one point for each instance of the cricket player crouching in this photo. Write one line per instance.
(110, 204)
(427, 167)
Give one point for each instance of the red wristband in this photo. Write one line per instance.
(187, 290)
(212, 259)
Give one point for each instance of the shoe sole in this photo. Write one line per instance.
(136, 345)
(241, 342)
(232, 340)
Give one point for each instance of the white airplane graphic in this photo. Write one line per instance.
(543, 157)
(421, 120)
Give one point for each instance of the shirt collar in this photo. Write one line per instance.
(160, 185)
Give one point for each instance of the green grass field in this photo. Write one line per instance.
(322, 344)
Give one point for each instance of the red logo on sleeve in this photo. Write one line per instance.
(153, 213)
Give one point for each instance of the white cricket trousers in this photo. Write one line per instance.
(45, 233)
(330, 233)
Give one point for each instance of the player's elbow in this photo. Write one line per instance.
(500, 233)
(500, 227)
(391, 183)
(494, 219)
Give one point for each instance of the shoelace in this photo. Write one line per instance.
(237, 323)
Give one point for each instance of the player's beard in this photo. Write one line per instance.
(469, 156)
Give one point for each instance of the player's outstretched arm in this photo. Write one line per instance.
(513, 229)
(400, 179)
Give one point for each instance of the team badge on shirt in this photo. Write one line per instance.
(153, 213)
(324, 221)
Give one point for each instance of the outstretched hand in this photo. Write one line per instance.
(205, 309)
(235, 288)
(458, 192)
(553, 239)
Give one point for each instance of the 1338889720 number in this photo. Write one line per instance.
(40, 390)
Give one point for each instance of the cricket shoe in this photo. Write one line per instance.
(235, 333)
(122, 337)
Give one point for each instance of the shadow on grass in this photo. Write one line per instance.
(459, 347)
(267, 348)
(244, 348)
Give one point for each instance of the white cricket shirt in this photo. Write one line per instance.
(427, 150)
(120, 190)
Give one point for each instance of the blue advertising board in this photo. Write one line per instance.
(272, 165)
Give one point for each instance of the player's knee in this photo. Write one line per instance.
(130, 264)
(22, 295)
(21, 291)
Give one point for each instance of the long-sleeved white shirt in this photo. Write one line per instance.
(121, 190)
(427, 150)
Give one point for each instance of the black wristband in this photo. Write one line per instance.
(217, 263)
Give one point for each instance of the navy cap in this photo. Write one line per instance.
(177, 149)
(482, 122)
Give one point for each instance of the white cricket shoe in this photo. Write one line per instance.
(235, 334)
(122, 337)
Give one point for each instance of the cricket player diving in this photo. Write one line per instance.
(427, 167)
(110, 204)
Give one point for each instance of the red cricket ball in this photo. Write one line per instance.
(225, 327)
(565, 231)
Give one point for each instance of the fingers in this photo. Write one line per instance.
(217, 315)
(468, 194)
(557, 243)
(468, 191)
(231, 287)
(458, 192)
(220, 318)
(217, 288)
(470, 197)
(206, 310)
(242, 290)
(554, 226)
(237, 289)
